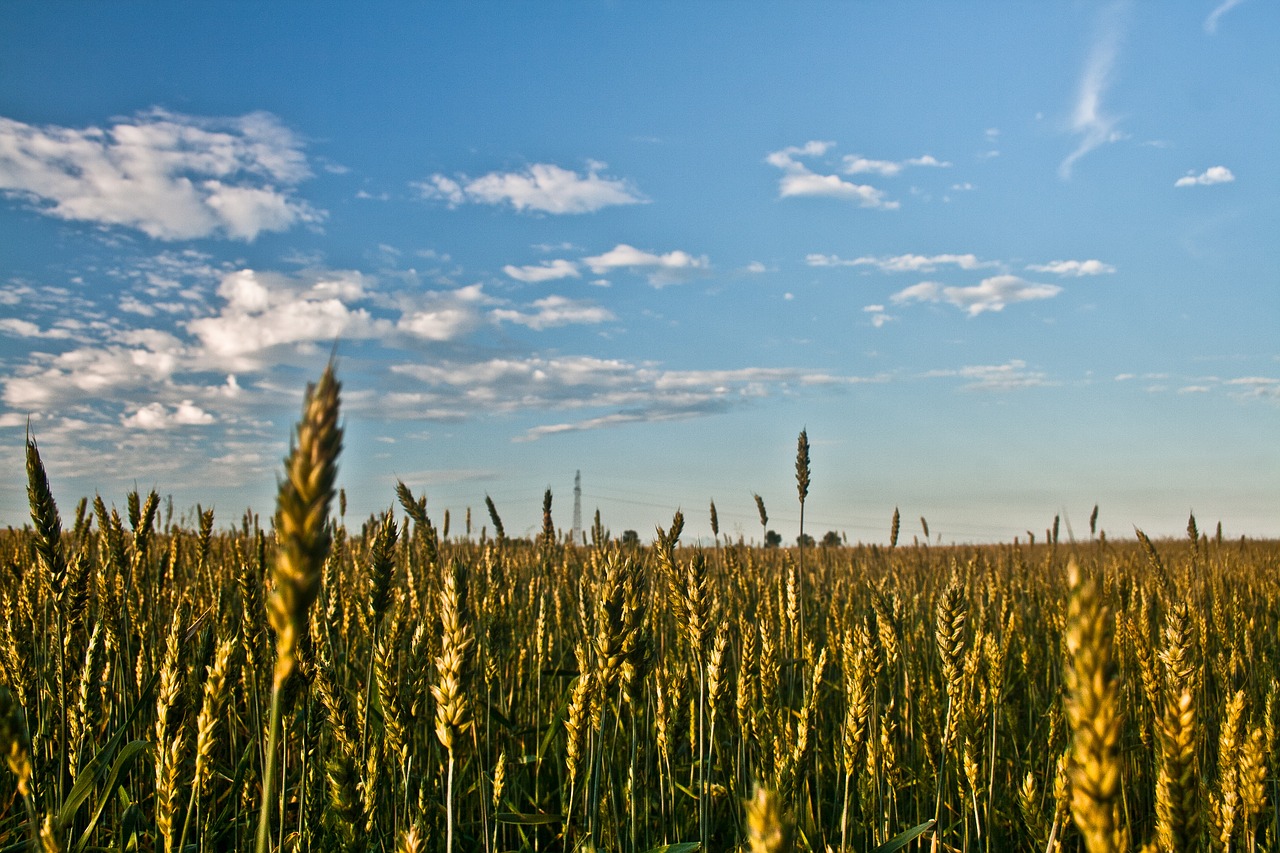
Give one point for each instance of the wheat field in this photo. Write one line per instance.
(389, 685)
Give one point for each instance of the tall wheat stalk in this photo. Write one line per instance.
(802, 488)
(453, 703)
(48, 545)
(302, 529)
(1093, 709)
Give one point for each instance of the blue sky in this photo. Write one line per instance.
(1002, 260)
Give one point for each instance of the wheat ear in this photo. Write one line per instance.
(1093, 708)
(302, 528)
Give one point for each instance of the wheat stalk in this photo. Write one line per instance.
(1093, 708)
(302, 528)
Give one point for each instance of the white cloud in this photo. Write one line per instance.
(1212, 175)
(855, 164)
(798, 180)
(260, 312)
(14, 294)
(878, 315)
(554, 311)
(1257, 386)
(87, 372)
(665, 268)
(438, 186)
(134, 305)
(1073, 268)
(1088, 120)
(831, 186)
(928, 160)
(602, 422)
(549, 271)
(1011, 376)
(786, 158)
(568, 370)
(156, 416)
(20, 328)
(264, 310)
(992, 294)
(925, 291)
(443, 323)
(1211, 22)
(542, 187)
(901, 263)
(170, 176)
(445, 315)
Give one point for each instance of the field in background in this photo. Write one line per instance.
(398, 688)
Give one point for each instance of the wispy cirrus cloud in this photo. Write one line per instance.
(991, 294)
(170, 176)
(541, 187)
(1089, 120)
(1210, 176)
(1211, 22)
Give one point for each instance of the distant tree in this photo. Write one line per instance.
(772, 539)
(832, 539)
(631, 538)
(804, 540)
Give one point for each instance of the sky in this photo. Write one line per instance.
(1001, 261)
